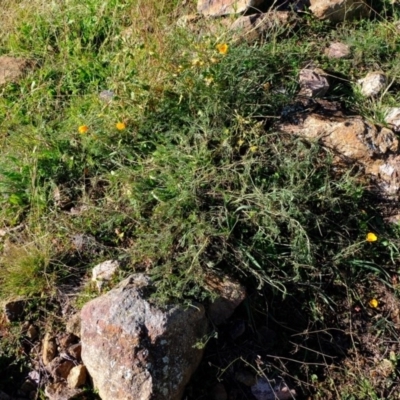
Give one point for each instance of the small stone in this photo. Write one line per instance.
(4, 396)
(337, 50)
(106, 96)
(59, 368)
(372, 84)
(313, 82)
(393, 118)
(219, 392)
(75, 351)
(67, 340)
(60, 391)
(229, 295)
(104, 272)
(246, 377)
(49, 348)
(74, 325)
(32, 332)
(28, 386)
(77, 377)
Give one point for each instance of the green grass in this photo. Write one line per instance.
(199, 181)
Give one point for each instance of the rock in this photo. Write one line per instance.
(74, 324)
(263, 390)
(104, 272)
(12, 69)
(77, 377)
(106, 96)
(339, 10)
(393, 118)
(253, 27)
(32, 332)
(67, 340)
(313, 82)
(337, 50)
(75, 351)
(49, 348)
(372, 84)
(219, 392)
(59, 368)
(4, 396)
(229, 295)
(246, 377)
(13, 310)
(135, 350)
(353, 140)
(217, 8)
(60, 391)
(28, 386)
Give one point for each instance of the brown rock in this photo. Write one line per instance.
(354, 140)
(75, 351)
(313, 82)
(134, 350)
(217, 8)
(32, 332)
(60, 391)
(59, 368)
(229, 295)
(77, 377)
(339, 10)
(67, 340)
(49, 348)
(74, 325)
(12, 69)
(337, 50)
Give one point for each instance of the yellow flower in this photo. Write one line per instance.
(83, 129)
(371, 237)
(120, 126)
(374, 303)
(209, 80)
(222, 48)
(253, 149)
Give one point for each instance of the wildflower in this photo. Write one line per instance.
(222, 48)
(253, 149)
(371, 237)
(196, 62)
(83, 129)
(373, 303)
(120, 126)
(209, 80)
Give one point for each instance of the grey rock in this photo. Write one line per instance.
(372, 84)
(313, 82)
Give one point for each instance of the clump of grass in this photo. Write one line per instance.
(25, 271)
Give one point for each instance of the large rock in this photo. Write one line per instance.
(135, 350)
(354, 140)
(224, 7)
(339, 10)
